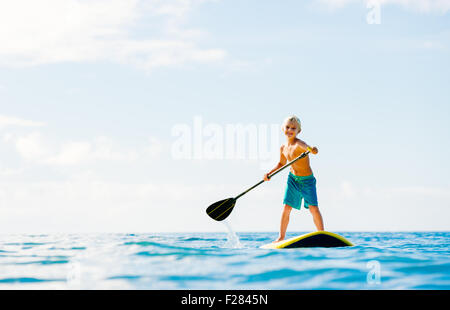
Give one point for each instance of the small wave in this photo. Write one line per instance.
(178, 254)
(282, 273)
(268, 254)
(80, 248)
(124, 277)
(154, 254)
(43, 262)
(200, 239)
(426, 269)
(26, 243)
(156, 245)
(183, 278)
(28, 280)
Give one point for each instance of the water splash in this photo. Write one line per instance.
(232, 239)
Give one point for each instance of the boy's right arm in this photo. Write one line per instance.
(280, 164)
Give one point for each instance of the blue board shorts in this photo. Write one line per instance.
(300, 188)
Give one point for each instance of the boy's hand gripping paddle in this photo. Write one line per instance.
(221, 209)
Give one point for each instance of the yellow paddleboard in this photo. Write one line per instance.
(314, 239)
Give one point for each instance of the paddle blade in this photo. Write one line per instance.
(221, 209)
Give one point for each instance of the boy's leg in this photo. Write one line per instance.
(284, 222)
(317, 217)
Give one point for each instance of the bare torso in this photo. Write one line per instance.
(291, 151)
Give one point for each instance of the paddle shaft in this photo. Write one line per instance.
(273, 173)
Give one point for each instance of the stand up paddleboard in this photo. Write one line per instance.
(323, 239)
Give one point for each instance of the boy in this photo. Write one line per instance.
(301, 184)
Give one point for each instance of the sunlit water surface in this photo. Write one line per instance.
(403, 260)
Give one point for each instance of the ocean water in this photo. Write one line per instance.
(227, 260)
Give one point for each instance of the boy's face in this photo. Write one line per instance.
(291, 129)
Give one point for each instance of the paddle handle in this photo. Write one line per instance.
(288, 164)
(273, 173)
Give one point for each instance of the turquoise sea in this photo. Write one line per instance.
(206, 261)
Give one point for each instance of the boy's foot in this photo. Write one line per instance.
(278, 240)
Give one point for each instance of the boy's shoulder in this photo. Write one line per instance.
(301, 144)
(298, 143)
(297, 140)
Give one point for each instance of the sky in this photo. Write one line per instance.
(135, 116)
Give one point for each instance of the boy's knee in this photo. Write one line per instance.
(287, 209)
(313, 209)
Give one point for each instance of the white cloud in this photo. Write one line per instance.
(333, 4)
(8, 121)
(164, 53)
(439, 6)
(425, 6)
(350, 191)
(429, 192)
(87, 204)
(55, 31)
(31, 147)
(72, 153)
(7, 172)
(35, 148)
(154, 148)
(351, 206)
(102, 148)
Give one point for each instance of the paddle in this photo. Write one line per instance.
(221, 209)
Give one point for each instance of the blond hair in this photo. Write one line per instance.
(294, 119)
